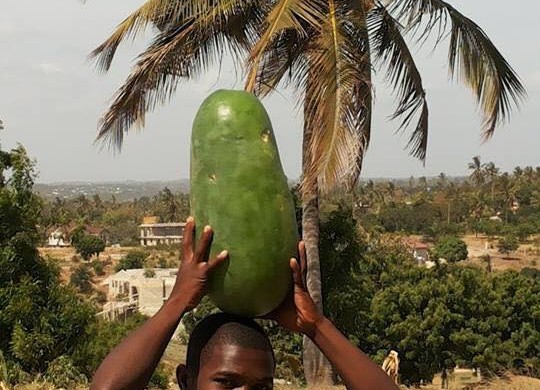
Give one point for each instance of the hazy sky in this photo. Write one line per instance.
(51, 99)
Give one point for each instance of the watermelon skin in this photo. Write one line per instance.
(239, 188)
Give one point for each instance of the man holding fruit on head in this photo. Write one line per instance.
(227, 351)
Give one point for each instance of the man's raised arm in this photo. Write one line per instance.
(300, 314)
(131, 364)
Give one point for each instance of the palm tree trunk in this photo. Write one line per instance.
(317, 368)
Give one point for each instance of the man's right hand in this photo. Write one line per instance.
(195, 267)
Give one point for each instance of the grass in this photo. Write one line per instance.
(466, 380)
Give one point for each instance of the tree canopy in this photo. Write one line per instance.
(450, 248)
(41, 319)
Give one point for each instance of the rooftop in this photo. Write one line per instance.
(138, 273)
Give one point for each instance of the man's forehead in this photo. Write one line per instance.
(230, 358)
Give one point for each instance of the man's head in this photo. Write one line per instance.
(227, 352)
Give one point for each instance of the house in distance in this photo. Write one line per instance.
(155, 233)
(60, 236)
(142, 290)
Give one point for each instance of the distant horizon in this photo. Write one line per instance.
(187, 180)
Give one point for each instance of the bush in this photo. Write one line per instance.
(16, 375)
(3, 369)
(99, 297)
(523, 231)
(134, 259)
(450, 248)
(507, 244)
(98, 267)
(81, 279)
(105, 336)
(61, 372)
(149, 273)
(159, 379)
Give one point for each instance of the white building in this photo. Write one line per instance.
(130, 290)
(58, 238)
(167, 233)
(419, 250)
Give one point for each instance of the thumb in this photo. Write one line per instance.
(220, 259)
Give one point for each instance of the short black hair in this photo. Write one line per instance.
(226, 329)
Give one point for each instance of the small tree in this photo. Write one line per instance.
(87, 246)
(450, 248)
(507, 244)
(149, 273)
(77, 234)
(63, 373)
(81, 279)
(98, 267)
(132, 260)
(523, 231)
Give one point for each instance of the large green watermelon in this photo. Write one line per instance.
(239, 188)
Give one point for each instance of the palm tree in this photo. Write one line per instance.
(491, 172)
(168, 205)
(477, 174)
(326, 50)
(442, 180)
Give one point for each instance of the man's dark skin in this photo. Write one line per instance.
(231, 367)
(130, 365)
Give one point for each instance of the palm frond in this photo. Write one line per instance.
(389, 48)
(337, 98)
(284, 59)
(472, 57)
(298, 15)
(181, 52)
(154, 12)
(364, 91)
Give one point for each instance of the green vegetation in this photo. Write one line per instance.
(488, 203)
(41, 319)
(120, 219)
(98, 267)
(507, 244)
(373, 289)
(88, 246)
(134, 259)
(81, 279)
(450, 248)
(436, 318)
(502, 204)
(149, 273)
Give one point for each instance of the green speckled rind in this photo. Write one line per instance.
(239, 188)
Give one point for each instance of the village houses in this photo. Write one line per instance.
(153, 233)
(137, 290)
(60, 236)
